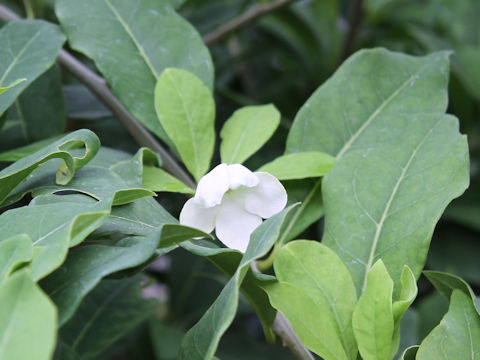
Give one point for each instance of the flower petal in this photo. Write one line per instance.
(267, 198)
(198, 216)
(212, 187)
(239, 175)
(234, 225)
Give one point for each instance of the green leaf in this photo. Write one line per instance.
(345, 118)
(27, 316)
(14, 252)
(109, 312)
(316, 293)
(21, 152)
(246, 131)
(446, 283)
(133, 46)
(372, 320)
(458, 334)
(11, 85)
(110, 174)
(30, 48)
(38, 113)
(408, 293)
(53, 228)
(87, 265)
(300, 165)
(159, 180)
(201, 341)
(186, 110)
(383, 199)
(13, 175)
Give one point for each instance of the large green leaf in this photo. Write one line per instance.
(38, 113)
(458, 334)
(87, 265)
(29, 48)
(202, 340)
(64, 149)
(27, 320)
(186, 110)
(245, 132)
(14, 252)
(53, 227)
(383, 198)
(373, 316)
(109, 312)
(316, 293)
(133, 44)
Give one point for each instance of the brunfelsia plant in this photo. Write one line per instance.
(372, 151)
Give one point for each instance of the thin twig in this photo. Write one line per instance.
(99, 87)
(284, 330)
(256, 12)
(354, 21)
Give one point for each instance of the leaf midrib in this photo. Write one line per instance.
(378, 110)
(130, 33)
(189, 120)
(379, 226)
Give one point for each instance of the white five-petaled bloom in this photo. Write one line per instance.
(233, 200)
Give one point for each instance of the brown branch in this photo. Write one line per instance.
(354, 21)
(284, 330)
(256, 12)
(99, 87)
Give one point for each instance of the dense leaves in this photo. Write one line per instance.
(127, 54)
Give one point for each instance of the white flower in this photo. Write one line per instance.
(233, 200)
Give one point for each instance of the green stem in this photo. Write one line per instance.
(29, 9)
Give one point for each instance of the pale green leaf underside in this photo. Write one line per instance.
(29, 48)
(27, 320)
(372, 319)
(458, 334)
(246, 131)
(300, 165)
(400, 160)
(159, 180)
(134, 42)
(186, 110)
(313, 277)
